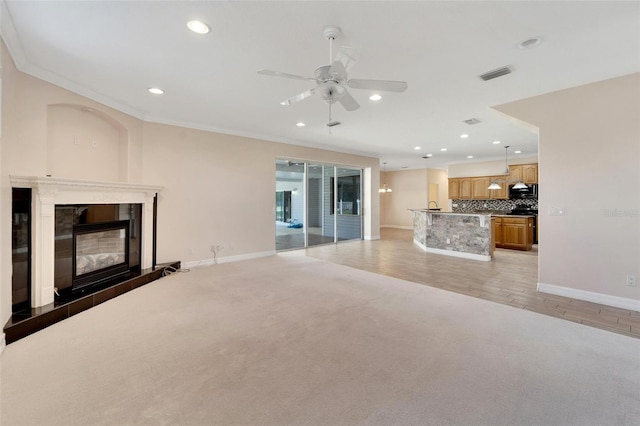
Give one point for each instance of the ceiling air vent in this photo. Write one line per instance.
(495, 73)
(471, 121)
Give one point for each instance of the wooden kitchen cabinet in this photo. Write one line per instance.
(527, 173)
(513, 232)
(454, 188)
(530, 173)
(477, 187)
(465, 188)
(480, 188)
(496, 222)
(503, 192)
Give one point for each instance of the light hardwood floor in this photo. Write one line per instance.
(510, 279)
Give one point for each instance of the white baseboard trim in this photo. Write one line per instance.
(588, 296)
(396, 227)
(372, 238)
(227, 259)
(461, 254)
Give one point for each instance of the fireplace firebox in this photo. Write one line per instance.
(100, 252)
(95, 245)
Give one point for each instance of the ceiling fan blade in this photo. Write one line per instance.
(348, 102)
(347, 57)
(383, 85)
(298, 97)
(282, 74)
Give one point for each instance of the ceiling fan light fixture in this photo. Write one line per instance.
(375, 97)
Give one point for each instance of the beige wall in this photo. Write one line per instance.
(218, 189)
(410, 191)
(590, 169)
(440, 178)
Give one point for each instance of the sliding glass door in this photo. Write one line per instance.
(290, 200)
(325, 204)
(348, 211)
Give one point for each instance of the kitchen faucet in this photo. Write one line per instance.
(429, 206)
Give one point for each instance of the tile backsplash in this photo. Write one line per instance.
(471, 206)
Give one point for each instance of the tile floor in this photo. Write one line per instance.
(510, 279)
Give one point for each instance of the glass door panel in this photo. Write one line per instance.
(348, 203)
(289, 202)
(319, 218)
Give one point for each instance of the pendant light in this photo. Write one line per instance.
(496, 185)
(384, 187)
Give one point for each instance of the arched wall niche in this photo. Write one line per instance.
(86, 143)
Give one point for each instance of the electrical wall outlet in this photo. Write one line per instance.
(448, 240)
(631, 280)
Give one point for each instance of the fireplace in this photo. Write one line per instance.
(95, 244)
(100, 253)
(119, 214)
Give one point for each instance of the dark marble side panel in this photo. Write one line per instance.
(24, 324)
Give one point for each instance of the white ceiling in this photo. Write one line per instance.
(112, 51)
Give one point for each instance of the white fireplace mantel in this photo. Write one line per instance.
(49, 192)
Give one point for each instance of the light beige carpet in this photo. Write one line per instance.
(290, 340)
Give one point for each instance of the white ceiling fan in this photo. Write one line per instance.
(331, 80)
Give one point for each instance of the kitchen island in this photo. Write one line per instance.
(466, 235)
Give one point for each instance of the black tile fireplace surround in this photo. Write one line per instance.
(29, 321)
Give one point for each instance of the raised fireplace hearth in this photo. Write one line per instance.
(73, 255)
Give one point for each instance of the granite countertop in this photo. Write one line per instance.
(449, 213)
(513, 215)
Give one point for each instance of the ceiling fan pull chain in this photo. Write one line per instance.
(330, 51)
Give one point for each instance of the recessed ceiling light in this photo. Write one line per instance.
(375, 97)
(417, 148)
(496, 142)
(429, 155)
(156, 90)
(464, 136)
(443, 149)
(530, 43)
(469, 156)
(300, 124)
(517, 152)
(198, 27)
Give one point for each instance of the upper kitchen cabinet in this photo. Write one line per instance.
(454, 189)
(460, 188)
(503, 192)
(480, 188)
(466, 190)
(527, 173)
(477, 187)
